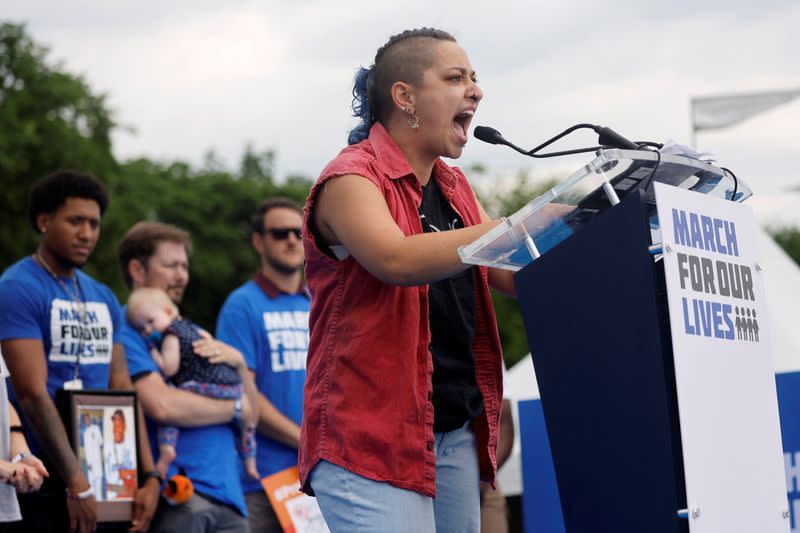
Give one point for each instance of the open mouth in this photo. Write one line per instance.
(461, 123)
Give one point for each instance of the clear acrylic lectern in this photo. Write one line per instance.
(579, 199)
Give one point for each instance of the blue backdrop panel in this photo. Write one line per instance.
(789, 406)
(541, 507)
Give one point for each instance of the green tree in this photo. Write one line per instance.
(257, 166)
(49, 119)
(214, 205)
(788, 238)
(499, 202)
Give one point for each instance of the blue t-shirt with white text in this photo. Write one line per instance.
(207, 454)
(272, 334)
(33, 305)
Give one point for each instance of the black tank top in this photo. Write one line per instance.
(456, 398)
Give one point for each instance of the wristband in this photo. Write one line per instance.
(16, 429)
(155, 474)
(237, 410)
(20, 456)
(84, 495)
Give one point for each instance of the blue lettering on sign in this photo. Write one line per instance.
(680, 226)
(726, 316)
(730, 237)
(704, 232)
(703, 310)
(708, 233)
(702, 316)
(718, 226)
(687, 326)
(697, 239)
(708, 319)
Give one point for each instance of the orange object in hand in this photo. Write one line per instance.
(179, 489)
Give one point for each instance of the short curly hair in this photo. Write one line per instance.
(51, 192)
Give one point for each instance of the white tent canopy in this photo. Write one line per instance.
(782, 284)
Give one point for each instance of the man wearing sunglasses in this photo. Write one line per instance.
(267, 320)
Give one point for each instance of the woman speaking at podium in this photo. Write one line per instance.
(403, 391)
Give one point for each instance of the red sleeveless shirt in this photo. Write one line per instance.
(367, 402)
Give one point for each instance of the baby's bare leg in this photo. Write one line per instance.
(166, 455)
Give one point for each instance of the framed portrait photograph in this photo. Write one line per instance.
(102, 427)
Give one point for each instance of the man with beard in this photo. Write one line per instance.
(60, 329)
(156, 255)
(267, 320)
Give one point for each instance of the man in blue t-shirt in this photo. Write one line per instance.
(267, 320)
(156, 255)
(60, 329)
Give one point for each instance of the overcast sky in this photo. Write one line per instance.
(189, 76)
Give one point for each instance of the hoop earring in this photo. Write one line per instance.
(413, 120)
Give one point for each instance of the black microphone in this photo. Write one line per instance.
(488, 135)
(609, 137)
(492, 136)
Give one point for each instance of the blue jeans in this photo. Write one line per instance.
(354, 504)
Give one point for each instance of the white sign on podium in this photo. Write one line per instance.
(730, 431)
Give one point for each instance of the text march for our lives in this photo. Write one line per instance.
(703, 313)
(77, 334)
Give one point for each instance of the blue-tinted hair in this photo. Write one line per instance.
(361, 108)
(372, 100)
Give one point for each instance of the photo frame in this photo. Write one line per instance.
(102, 427)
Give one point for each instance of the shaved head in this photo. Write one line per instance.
(405, 57)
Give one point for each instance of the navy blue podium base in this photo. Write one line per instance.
(596, 317)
